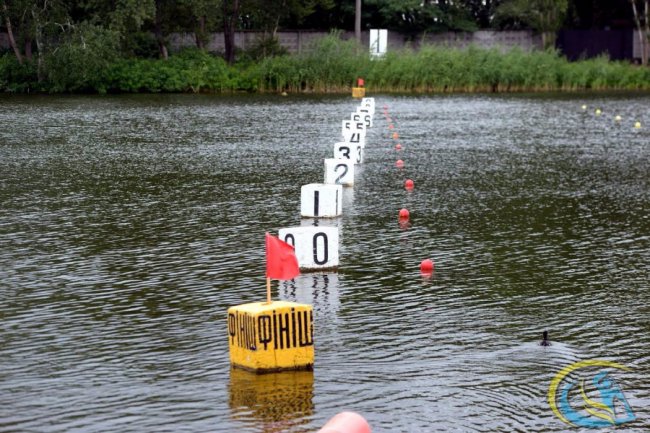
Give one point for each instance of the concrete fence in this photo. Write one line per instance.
(300, 40)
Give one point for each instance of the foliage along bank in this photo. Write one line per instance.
(331, 66)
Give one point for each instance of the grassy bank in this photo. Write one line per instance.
(331, 66)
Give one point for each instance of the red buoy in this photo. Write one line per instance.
(391, 126)
(426, 267)
(404, 214)
(399, 163)
(398, 146)
(408, 184)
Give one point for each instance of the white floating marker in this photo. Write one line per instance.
(355, 136)
(319, 200)
(349, 151)
(315, 247)
(370, 104)
(349, 127)
(339, 172)
(364, 116)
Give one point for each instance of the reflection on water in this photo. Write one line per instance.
(128, 226)
(317, 289)
(277, 402)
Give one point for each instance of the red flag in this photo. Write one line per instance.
(281, 261)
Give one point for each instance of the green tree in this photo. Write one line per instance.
(82, 59)
(129, 16)
(200, 17)
(126, 17)
(269, 15)
(415, 16)
(230, 9)
(9, 15)
(481, 11)
(42, 21)
(544, 16)
(161, 5)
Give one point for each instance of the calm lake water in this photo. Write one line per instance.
(129, 224)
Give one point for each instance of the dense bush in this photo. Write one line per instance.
(81, 61)
(190, 71)
(16, 78)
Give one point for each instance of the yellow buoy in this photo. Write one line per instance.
(598, 111)
(584, 107)
(617, 118)
(271, 336)
(358, 92)
(637, 125)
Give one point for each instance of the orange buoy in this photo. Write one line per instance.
(395, 135)
(346, 422)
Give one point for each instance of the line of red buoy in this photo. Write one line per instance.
(426, 266)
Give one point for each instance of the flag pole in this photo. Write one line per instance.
(268, 290)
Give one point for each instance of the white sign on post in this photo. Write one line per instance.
(315, 247)
(378, 43)
(319, 200)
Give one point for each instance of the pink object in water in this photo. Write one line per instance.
(346, 422)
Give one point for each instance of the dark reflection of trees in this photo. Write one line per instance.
(278, 402)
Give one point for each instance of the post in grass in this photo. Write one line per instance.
(273, 335)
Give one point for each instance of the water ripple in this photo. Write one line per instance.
(130, 224)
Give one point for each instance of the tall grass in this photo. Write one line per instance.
(333, 65)
(329, 65)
